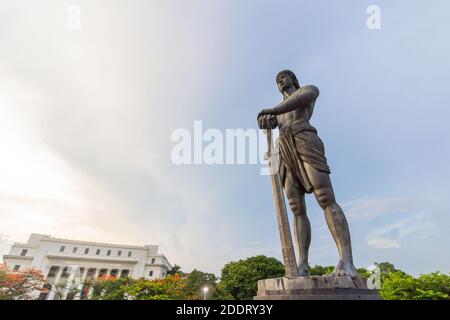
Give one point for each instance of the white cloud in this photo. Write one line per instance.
(5, 245)
(86, 117)
(419, 227)
(40, 191)
(371, 208)
(379, 242)
(85, 144)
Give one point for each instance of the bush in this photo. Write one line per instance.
(240, 278)
(398, 285)
(110, 288)
(178, 286)
(321, 271)
(19, 285)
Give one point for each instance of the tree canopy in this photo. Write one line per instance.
(19, 285)
(240, 278)
(238, 281)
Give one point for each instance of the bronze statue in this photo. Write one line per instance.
(303, 169)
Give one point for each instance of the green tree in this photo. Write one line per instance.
(398, 285)
(19, 285)
(320, 270)
(110, 288)
(175, 269)
(364, 273)
(434, 286)
(172, 287)
(196, 281)
(240, 278)
(386, 268)
(169, 288)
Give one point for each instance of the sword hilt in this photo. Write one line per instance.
(269, 144)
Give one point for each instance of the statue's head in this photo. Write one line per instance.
(286, 79)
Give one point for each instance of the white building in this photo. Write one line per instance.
(62, 259)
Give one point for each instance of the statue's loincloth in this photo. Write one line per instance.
(295, 149)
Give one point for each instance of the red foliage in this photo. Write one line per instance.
(106, 277)
(19, 285)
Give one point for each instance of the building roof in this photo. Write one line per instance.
(46, 237)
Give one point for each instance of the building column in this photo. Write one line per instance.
(97, 271)
(71, 283)
(81, 285)
(140, 267)
(84, 275)
(52, 293)
(89, 294)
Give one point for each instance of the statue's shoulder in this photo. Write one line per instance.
(310, 89)
(308, 93)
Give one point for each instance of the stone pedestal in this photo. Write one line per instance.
(315, 288)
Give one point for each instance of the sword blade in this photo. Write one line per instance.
(287, 246)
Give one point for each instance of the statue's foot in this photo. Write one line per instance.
(345, 268)
(303, 269)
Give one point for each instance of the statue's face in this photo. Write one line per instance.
(284, 81)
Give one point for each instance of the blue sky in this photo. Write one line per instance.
(86, 118)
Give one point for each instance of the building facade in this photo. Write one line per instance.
(78, 262)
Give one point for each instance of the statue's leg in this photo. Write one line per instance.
(302, 227)
(336, 221)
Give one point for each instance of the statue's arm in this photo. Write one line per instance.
(300, 98)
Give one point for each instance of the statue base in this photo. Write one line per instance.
(327, 287)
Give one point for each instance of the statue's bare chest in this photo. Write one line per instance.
(300, 115)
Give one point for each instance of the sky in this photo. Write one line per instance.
(87, 112)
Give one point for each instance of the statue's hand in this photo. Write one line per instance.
(267, 111)
(267, 121)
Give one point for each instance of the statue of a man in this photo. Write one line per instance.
(304, 169)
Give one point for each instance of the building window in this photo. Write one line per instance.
(129, 253)
(24, 252)
(114, 272)
(16, 267)
(97, 252)
(86, 251)
(65, 273)
(119, 253)
(52, 272)
(45, 291)
(153, 260)
(74, 250)
(102, 272)
(62, 248)
(124, 273)
(90, 274)
(108, 253)
(150, 274)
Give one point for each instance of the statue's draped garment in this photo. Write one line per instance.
(299, 143)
